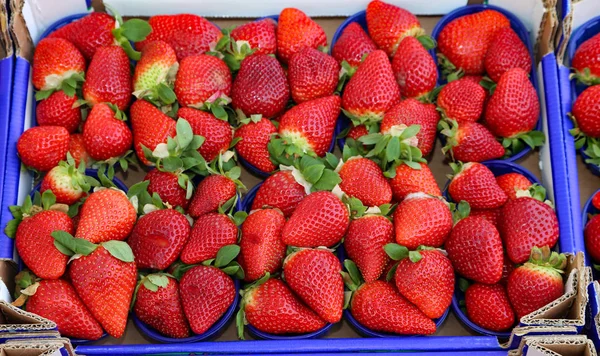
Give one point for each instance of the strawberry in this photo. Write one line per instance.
(358, 170)
(364, 243)
(312, 75)
(414, 68)
(57, 64)
(166, 185)
(585, 113)
(296, 31)
(470, 142)
(505, 52)
(212, 192)
(158, 238)
(280, 191)
(537, 282)
(491, 215)
(511, 183)
(475, 249)
(260, 87)
(596, 200)
(592, 237)
(67, 182)
(357, 132)
(321, 219)
(389, 24)
(105, 135)
(209, 234)
(150, 127)
(254, 135)
(77, 150)
(488, 307)
(260, 35)
(462, 100)
(475, 183)
(189, 35)
(507, 268)
(200, 79)
(261, 248)
(379, 307)
(586, 63)
(465, 41)
(157, 303)
(352, 45)
(413, 228)
(108, 78)
(271, 307)
(217, 133)
(106, 215)
(43, 147)
(409, 180)
(372, 90)
(155, 73)
(315, 276)
(58, 110)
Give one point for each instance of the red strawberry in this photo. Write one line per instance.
(280, 191)
(89, 33)
(200, 79)
(58, 110)
(217, 133)
(475, 249)
(158, 304)
(272, 308)
(491, 215)
(188, 34)
(364, 244)
(372, 90)
(389, 24)
(476, 184)
(155, 71)
(488, 307)
(465, 40)
(261, 248)
(379, 307)
(355, 172)
(470, 142)
(166, 185)
(511, 183)
(253, 146)
(413, 112)
(462, 100)
(260, 87)
(596, 200)
(321, 219)
(352, 45)
(413, 228)
(507, 268)
(212, 192)
(150, 127)
(585, 112)
(409, 180)
(56, 60)
(106, 215)
(67, 183)
(536, 283)
(209, 234)
(357, 132)
(592, 237)
(506, 51)
(586, 63)
(108, 79)
(43, 147)
(296, 31)
(104, 135)
(260, 35)
(312, 75)
(77, 149)
(315, 276)
(414, 69)
(206, 293)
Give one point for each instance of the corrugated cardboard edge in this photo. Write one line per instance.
(544, 43)
(44, 334)
(25, 349)
(20, 34)
(563, 345)
(15, 319)
(6, 45)
(60, 342)
(519, 332)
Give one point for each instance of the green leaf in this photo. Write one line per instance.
(414, 256)
(313, 173)
(48, 199)
(75, 245)
(393, 149)
(392, 272)
(136, 30)
(166, 94)
(150, 286)
(219, 112)
(463, 284)
(138, 188)
(43, 94)
(119, 250)
(234, 173)
(332, 160)
(226, 254)
(11, 228)
(353, 271)
(239, 217)
(329, 179)
(172, 164)
(371, 139)
(185, 135)
(410, 131)
(159, 280)
(395, 251)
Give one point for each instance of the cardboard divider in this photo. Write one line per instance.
(14, 319)
(555, 345)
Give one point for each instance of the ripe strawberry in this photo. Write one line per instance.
(413, 228)
(104, 135)
(358, 170)
(372, 90)
(217, 133)
(507, 268)
(315, 276)
(261, 248)
(389, 24)
(166, 185)
(409, 180)
(200, 79)
(488, 307)
(596, 200)
(470, 142)
(260, 87)
(592, 237)
(67, 183)
(279, 191)
(413, 112)
(476, 184)
(189, 35)
(150, 127)
(58, 110)
(212, 192)
(321, 219)
(585, 112)
(43, 147)
(511, 183)
(491, 215)
(586, 63)
(462, 100)
(158, 304)
(352, 45)
(364, 244)
(506, 51)
(414, 69)
(106, 215)
(260, 35)
(475, 249)
(296, 31)
(465, 40)
(108, 78)
(210, 232)
(155, 72)
(537, 282)
(357, 132)
(88, 33)
(77, 149)
(255, 135)
(206, 293)
(379, 307)
(312, 75)
(55, 61)
(272, 308)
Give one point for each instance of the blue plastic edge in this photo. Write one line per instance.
(6, 81)
(594, 308)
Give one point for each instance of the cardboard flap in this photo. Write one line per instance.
(49, 342)
(20, 32)
(6, 46)
(13, 318)
(555, 345)
(577, 13)
(518, 333)
(30, 350)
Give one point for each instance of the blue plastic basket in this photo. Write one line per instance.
(6, 81)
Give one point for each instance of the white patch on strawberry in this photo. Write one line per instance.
(189, 219)
(397, 130)
(374, 210)
(523, 194)
(298, 177)
(161, 151)
(97, 189)
(338, 192)
(227, 155)
(74, 257)
(418, 195)
(29, 291)
(148, 208)
(549, 203)
(239, 44)
(135, 202)
(53, 81)
(339, 166)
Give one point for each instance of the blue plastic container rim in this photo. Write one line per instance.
(589, 208)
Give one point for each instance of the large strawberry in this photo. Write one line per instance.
(155, 73)
(255, 134)
(312, 75)
(280, 191)
(296, 31)
(470, 142)
(57, 64)
(358, 170)
(512, 183)
(389, 24)
(68, 182)
(315, 276)
(212, 192)
(488, 307)
(414, 228)
(217, 133)
(43, 147)
(260, 35)
(491, 215)
(506, 52)
(150, 127)
(59, 109)
(352, 45)
(105, 134)
(586, 62)
(202, 79)
(166, 185)
(585, 113)
(475, 183)
(462, 100)
(108, 78)
(414, 68)
(592, 237)
(364, 244)
(209, 234)
(77, 150)
(410, 180)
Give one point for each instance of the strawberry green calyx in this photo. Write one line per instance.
(72, 246)
(585, 77)
(368, 118)
(591, 144)
(488, 84)
(449, 128)
(152, 282)
(536, 192)
(516, 143)
(315, 174)
(26, 285)
(41, 202)
(352, 279)
(399, 252)
(133, 30)
(448, 68)
(232, 52)
(346, 72)
(144, 203)
(458, 168)
(247, 294)
(459, 211)
(218, 106)
(69, 85)
(289, 146)
(358, 210)
(223, 261)
(545, 259)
